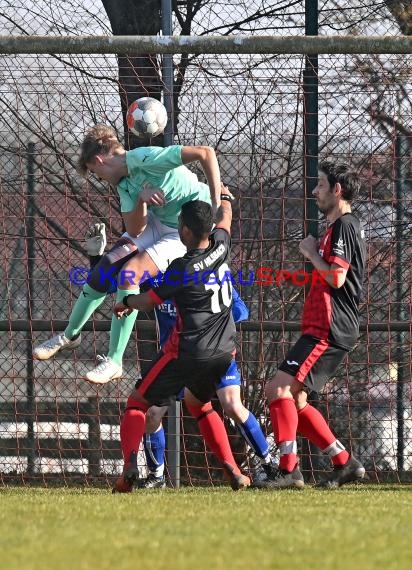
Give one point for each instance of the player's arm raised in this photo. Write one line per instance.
(224, 213)
(208, 160)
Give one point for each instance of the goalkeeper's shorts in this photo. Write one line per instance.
(161, 242)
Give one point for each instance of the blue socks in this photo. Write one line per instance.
(253, 434)
(154, 446)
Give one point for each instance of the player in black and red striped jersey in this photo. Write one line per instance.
(201, 346)
(330, 328)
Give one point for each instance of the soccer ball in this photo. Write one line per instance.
(146, 117)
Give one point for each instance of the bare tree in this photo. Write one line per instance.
(401, 10)
(139, 75)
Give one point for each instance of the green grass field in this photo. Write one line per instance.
(353, 528)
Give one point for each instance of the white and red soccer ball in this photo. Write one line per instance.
(146, 117)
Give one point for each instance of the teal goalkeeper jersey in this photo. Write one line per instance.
(160, 168)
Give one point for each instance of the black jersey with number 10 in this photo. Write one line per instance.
(200, 286)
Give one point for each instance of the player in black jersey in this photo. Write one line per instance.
(227, 391)
(201, 346)
(330, 328)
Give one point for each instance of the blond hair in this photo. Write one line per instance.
(100, 139)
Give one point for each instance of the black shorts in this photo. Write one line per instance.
(313, 361)
(167, 375)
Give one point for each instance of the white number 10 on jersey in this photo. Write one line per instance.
(221, 285)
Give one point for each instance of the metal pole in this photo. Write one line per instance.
(30, 248)
(402, 263)
(310, 154)
(174, 411)
(310, 120)
(167, 71)
(213, 44)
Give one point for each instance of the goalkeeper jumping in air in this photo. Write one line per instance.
(153, 183)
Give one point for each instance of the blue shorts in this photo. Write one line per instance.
(231, 378)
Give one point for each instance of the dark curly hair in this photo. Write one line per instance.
(345, 175)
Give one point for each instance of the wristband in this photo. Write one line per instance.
(124, 301)
(226, 197)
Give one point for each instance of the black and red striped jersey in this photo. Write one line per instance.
(329, 313)
(200, 286)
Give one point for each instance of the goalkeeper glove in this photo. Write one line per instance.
(95, 240)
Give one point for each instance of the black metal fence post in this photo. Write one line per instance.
(310, 462)
(30, 249)
(402, 273)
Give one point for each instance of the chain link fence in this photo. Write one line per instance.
(251, 109)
